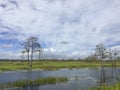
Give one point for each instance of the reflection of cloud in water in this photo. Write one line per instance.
(82, 78)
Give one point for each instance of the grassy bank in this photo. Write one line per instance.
(39, 81)
(105, 87)
(50, 64)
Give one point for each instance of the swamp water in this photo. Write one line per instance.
(78, 79)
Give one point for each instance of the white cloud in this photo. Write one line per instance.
(9, 55)
(81, 24)
(2, 46)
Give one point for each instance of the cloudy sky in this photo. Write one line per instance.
(65, 28)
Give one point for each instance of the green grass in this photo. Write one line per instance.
(106, 87)
(51, 64)
(39, 81)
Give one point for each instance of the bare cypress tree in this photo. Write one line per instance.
(38, 49)
(30, 45)
(100, 51)
(33, 46)
(26, 45)
(33, 43)
(112, 54)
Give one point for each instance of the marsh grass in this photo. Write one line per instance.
(106, 87)
(39, 81)
(51, 64)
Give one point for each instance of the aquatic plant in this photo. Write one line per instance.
(39, 81)
(106, 87)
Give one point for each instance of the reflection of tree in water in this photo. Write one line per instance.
(31, 88)
(102, 78)
(110, 77)
(115, 74)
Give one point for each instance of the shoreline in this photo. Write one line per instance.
(7, 66)
(50, 69)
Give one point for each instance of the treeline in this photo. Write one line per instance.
(31, 46)
(102, 53)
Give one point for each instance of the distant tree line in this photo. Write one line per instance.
(31, 46)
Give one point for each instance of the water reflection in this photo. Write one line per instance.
(109, 76)
(103, 79)
(79, 79)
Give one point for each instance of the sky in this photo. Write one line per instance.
(65, 28)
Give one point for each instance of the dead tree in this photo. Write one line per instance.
(100, 52)
(30, 45)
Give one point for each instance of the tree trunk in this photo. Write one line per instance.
(102, 76)
(31, 58)
(39, 54)
(28, 58)
(30, 64)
